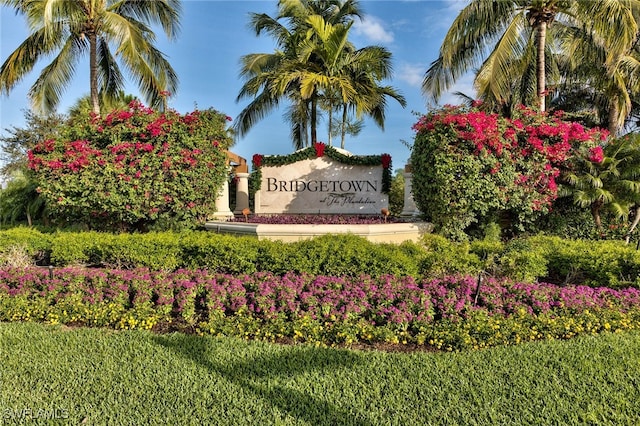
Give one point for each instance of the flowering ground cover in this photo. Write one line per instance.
(451, 313)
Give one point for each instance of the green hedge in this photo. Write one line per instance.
(539, 258)
(609, 263)
(348, 255)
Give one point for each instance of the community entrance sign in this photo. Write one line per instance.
(332, 183)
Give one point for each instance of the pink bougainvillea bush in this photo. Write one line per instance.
(133, 168)
(448, 313)
(472, 167)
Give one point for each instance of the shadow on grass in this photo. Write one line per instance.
(261, 371)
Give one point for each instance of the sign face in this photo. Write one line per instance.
(321, 186)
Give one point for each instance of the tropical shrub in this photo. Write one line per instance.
(472, 167)
(350, 255)
(444, 257)
(593, 263)
(606, 180)
(540, 258)
(134, 168)
(20, 201)
(568, 220)
(396, 194)
(344, 255)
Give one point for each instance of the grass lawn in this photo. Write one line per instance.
(98, 376)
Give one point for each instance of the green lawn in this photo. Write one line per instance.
(99, 376)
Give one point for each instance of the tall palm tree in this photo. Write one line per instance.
(71, 28)
(319, 69)
(316, 68)
(514, 33)
(261, 70)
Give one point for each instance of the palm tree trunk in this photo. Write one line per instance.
(636, 220)
(595, 212)
(541, 37)
(613, 116)
(330, 123)
(93, 71)
(314, 117)
(343, 130)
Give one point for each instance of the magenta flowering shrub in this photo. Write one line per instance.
(475, 167)
(133, 168)
(439, 312)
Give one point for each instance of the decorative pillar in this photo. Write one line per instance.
(410, 208)
(242, 192)
(222, 203)
(257, 202)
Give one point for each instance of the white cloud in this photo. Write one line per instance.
(412, 74)
(373, 29)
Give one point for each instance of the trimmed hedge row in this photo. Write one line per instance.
(540, 258)
(338, 255)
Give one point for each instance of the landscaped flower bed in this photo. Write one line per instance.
(328, 310)
(319, 219)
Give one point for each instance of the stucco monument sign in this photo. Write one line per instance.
(321, 180)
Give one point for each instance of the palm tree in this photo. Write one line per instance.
(71, 28)
(515, 34)
(613, 79)
(316, 68)
(263, 71)
(318, 71)
(84, 105)
(612, 184)
(368, 66)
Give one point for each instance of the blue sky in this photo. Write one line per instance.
(214, 36)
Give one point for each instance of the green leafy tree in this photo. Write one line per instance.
(68, 29)
(135, 169)
(16, 141)
(515, 33)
